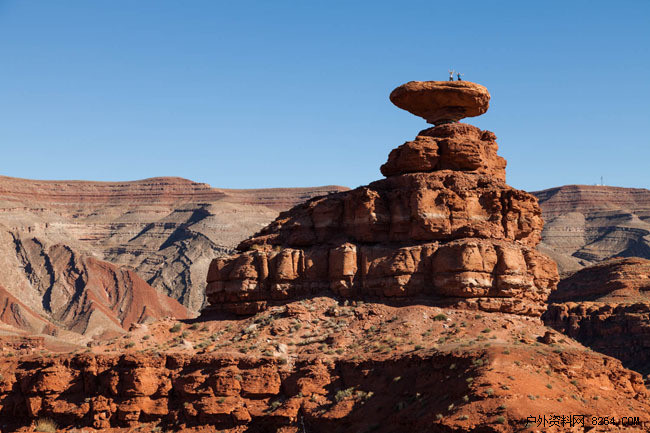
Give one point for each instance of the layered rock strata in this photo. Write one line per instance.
(443, 225)
(82, 294)
(607, 307)
(436, 386)
(586, 224)
(73, 248)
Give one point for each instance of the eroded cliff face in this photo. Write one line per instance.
(321, 366)
(410, 304)
(443, 226)
(607, 307)
(74, 292)
(586, 224)
(74, 254)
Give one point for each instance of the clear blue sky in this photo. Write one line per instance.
(244, 94)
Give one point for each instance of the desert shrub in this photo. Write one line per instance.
(342, 394)
(175, 328)
(194, 326)
(439, 317)
(463, 417)
(274, 405)
(129, 345)
(500, 420)
(363, 395)
(45, 425)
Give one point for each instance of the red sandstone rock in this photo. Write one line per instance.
(453, 146)
(607, 307)
(443, 225)
(415, 207)
(465, 268)
(328, 392)
(442, 101)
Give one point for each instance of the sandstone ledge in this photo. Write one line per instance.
(501, 276)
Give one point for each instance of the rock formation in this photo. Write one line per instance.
(167, 230)
(607, 307)
(443, 226)
(344, 369)
(586, 224)
(82, 294)
(442, 101)
(442, 230)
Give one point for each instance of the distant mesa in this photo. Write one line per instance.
(442, 101)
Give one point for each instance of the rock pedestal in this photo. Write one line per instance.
(442, 226)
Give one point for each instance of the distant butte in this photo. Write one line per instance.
(442, 101)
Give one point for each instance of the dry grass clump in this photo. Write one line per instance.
(45, 425)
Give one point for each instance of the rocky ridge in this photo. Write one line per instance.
(68, 243)
(447, 242)
(443, 226)
(321, 366)
(607, 307)
(585, 224)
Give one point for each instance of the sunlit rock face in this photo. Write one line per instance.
(442, 226)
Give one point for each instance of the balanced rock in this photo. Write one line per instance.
(442, 226)
(442, 101)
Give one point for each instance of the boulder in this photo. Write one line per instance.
(442, 101)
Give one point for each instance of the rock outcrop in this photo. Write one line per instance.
(586, 224)
(391, 352)
(607, 307)
(442, 226)
(442, 101)
(345, 369)
(165, 230)
(82, 294)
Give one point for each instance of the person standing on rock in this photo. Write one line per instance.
(451, 75)
(459, 75)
